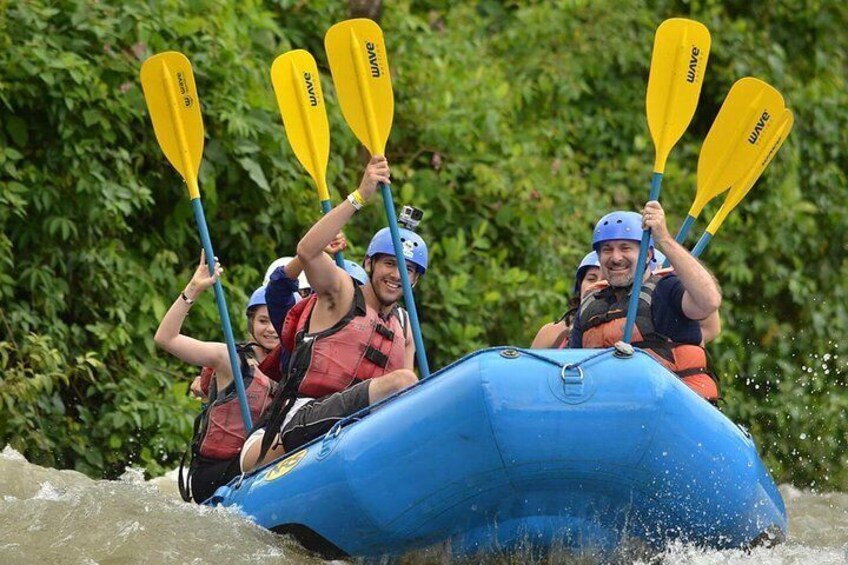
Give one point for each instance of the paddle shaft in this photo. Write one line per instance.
(326, 206)
(656, 185)
(684, 229)
(221, 301)
(408, 297)
(681, 235)
(702, 244)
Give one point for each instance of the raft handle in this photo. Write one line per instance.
(573, 380)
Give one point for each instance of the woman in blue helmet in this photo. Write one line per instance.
(220, 430)
(554, 335)
(352, 344)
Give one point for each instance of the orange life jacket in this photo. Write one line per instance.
(602, 319)
(362, 345)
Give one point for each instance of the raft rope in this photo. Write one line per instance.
(564, 368)
(569, 366)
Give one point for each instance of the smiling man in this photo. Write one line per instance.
(670, 307)
(352, 345)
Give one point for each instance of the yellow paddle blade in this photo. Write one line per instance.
(356, 52)
(171, 96)
(775, 134)
(734, 143)
(681, 49)
(301, 101)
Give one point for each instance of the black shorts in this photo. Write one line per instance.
(315, 418)
(209, 474)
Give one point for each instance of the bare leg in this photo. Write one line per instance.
(250, 451)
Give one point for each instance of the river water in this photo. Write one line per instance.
(51, 516)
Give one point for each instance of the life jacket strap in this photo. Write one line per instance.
(376, 356)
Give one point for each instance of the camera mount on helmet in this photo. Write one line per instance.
(410, 217)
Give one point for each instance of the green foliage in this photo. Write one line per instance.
(517, 125)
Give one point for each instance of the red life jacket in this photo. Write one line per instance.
(271, 364)
(603, 316)
(220, 430)
(290, 324)
(362, 345)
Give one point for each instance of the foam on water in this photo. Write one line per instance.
(51, 516)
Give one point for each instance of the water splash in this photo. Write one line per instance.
(51, 516)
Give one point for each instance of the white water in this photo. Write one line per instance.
(50, 516)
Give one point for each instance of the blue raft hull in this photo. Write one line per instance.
(505, 448)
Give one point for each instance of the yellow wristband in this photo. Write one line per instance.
(358, 197)
(356, 205)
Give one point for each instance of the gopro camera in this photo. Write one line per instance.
(410, 217)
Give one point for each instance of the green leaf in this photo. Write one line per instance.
(255, 172)
(17, 129)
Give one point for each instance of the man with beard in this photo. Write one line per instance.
(352, 345)
(670, 307)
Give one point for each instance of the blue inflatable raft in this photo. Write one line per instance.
(510, 447)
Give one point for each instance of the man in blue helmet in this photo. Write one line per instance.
(670, 307)
(352, 344)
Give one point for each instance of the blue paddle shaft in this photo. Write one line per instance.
(656, 184)
(681, 235)
(221, 301)
(408, 298)
(326, 206)
(684, 229)
(702, 244)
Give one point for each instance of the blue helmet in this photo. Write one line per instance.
(256, 299)
(355, 271)
(658, 261)
(618, 225)
(589, 261)
(414, 247)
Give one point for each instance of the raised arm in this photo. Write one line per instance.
(323, 275)
(183, 347)
(702, 296)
